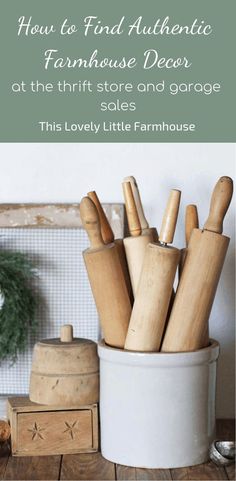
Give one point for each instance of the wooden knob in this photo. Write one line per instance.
(106, 230)
(170, 217)
(5, 431)
(131, 210)
(191, 221)
(67, 333)
(91, 222)
(138, 202)
(220, 201)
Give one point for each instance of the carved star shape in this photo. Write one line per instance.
(70, 428)
(36, 431)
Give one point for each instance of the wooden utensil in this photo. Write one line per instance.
(202, 268)
(65, 371)
(142, 219)
(106, 278)
(135, 245)
(155, 287)
(106, 230)
(108, 237)
(191, 222)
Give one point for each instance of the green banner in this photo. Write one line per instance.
(127, 71)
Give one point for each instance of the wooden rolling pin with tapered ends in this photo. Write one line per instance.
(139, 206)
(108, 238)
(135, 245)
(106, 278)
(155, 288)
(191, 222)
(198, 283)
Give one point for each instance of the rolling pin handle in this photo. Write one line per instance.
(170, 217)
(191, 221)
(138, 202)
(90, 220)
(220, 201)
(106, 230)
(131, 210)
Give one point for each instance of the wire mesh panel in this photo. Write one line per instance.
(61, 288)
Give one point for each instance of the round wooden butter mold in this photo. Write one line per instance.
(65, 371)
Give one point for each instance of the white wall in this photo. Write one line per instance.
(65, 172)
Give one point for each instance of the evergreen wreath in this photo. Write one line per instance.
(17, 310)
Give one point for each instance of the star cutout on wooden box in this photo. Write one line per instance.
(36, 432)
(70, 429)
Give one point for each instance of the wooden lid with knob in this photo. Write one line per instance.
(66, 339)
(65, 370)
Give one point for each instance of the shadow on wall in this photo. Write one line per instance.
(225, 390)
(225, 298)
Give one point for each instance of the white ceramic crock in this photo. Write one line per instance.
(157, 410)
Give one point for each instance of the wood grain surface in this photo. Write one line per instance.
(4, 455)
(230, 471)
(125, 472)
(153, 474)
(32, 468)
(94, 467)
(86, 466)
(201, 472)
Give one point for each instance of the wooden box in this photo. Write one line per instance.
(38, 430)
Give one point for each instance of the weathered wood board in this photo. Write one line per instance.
(56, 216)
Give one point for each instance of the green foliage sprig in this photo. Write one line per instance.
(17, 313)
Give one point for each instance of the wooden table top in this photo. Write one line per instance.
(95, 467)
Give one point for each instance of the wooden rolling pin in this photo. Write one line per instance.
(108, 238)
(139, 206)
(106, 278)
(135, 245)
(191, 222)
(202, 268)
(156, 285)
